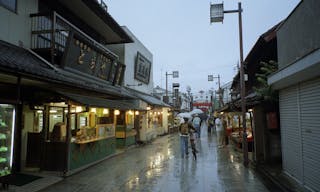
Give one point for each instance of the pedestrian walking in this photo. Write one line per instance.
(220, 131)
(193, 143)
(196, 121)
(210, 123)
(225, 132)
(184, 137)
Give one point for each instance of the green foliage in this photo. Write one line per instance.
(262, 88)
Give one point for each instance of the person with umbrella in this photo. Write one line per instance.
(196, 122)
(184, 130)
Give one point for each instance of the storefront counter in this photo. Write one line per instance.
(91, 145)
(126, 137)
(83, 153)
(90, 140)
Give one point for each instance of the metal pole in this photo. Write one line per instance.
(166, 84)
(242, 85)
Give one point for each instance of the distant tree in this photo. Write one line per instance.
(263, 89)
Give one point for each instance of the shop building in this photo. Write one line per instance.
(263, 130)
(152, 120)
(62, 88)
(298, 82)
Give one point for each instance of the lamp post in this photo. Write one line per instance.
(216, 15)
(175, 74)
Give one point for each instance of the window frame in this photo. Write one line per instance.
(2, 4)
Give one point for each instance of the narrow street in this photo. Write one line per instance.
(159, 167)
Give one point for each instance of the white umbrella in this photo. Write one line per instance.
(187, 115)
(196, 111)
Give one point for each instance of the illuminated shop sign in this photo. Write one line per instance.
(142, 68)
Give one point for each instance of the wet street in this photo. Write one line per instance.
(159, 167)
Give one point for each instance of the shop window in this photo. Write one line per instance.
(56, 115)
(38, 121)
(121, 118)
(56, 118)
(105, 120)
(130, 119)
(7, 118)
(73, 121)
(83, 121)
(9, 4)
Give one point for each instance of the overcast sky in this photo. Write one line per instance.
(180, 36)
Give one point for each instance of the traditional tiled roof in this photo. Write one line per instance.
(20, 61)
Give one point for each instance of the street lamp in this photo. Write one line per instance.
(216, 15)
(175, 74)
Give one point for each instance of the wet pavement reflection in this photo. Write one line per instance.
(159, 167)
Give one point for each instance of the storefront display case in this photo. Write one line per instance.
(95, 125)
(235, 129)
(7, 119)
(93, 137)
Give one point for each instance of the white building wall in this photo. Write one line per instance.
(128, 53)
(131, 50)
(16, 27)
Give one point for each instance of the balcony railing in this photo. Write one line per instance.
(103, 5)
(49, 35)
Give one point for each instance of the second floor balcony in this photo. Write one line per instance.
(63, 44)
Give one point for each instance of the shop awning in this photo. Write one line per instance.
(151, 100)
(92, 101)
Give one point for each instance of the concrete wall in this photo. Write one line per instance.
(16, 27)
(299, 35)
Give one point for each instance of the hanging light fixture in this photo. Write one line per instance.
(116, 112)
(105, 111)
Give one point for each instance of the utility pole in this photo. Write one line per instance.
(216, 15)
(210, 78)
(175, 74)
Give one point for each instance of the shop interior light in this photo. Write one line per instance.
(221, 113)
(105, 111)
(39, 111)
(130, 112)
(53, 111)
(159, 113)
(66, 111)
(148, 108)
(116, 112)
(93, 110)
(137, 112)
(73, 110)
(78, 109)
(250, 110)
(12, 136)
(150, 113)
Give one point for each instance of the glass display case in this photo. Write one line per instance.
(7, 119)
